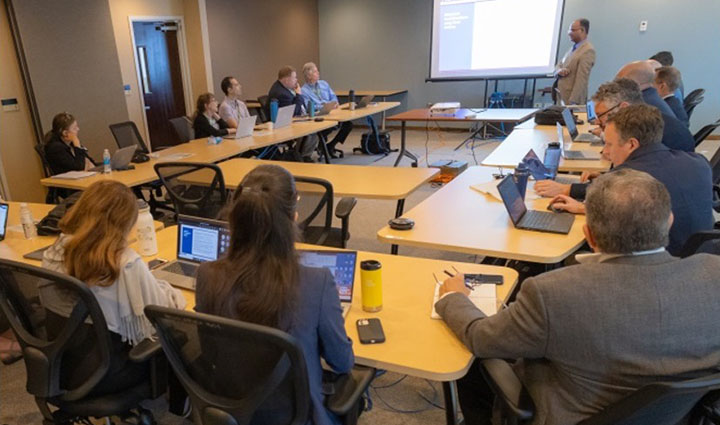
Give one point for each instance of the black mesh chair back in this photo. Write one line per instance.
(704, 132)
(693, 99)
(318, 198)
(235, 372)
(196, 188)
(52, 194)
(707, 241)
(184, 129)
(127, 134)
(264, 112)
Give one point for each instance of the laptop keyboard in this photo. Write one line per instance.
(183, 269)
(537, 219)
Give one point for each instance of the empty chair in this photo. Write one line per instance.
(68, 359)
(264, 111)
(183, 127)
(196, 188)
(127, 134)
(662, 403)
(704, 132)
(325, 234)
(240, 373)
(693, 99)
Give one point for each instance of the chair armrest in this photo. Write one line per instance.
(507, 387)
(716, 197)
(349, 387)
(345, 207)
(145, 350)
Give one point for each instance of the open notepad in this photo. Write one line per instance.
(483, 296)
(74, 175)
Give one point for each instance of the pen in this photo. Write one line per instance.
(448, 273)
(467, 285)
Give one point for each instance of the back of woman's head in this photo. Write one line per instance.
(99, 223)
(262, 253)
(60, 123)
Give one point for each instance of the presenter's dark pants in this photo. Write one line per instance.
(475, 396)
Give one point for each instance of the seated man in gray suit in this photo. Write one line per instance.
(590, 334)
(667, 80)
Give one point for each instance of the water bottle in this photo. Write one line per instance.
(106, 162)
(311, 108)
(27, 222)
(520, 176)
(146, 230)
(273, 110)
(351, 100)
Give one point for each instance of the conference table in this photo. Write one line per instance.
(382, 94)
(415, 345)
(461, 219)
(480, 115)
(197, 150)
(358, 181)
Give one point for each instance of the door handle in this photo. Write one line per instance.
(147, 108)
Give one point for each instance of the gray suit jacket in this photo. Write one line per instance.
(590, 334)
(574, 86)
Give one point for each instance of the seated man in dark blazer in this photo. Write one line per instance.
(643, 73)
(667, 79)
(632, 141)
(588, 335)
(286, 90)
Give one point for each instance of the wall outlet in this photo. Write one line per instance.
(9, 105)
(643, 26)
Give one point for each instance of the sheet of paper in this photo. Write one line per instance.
(75, 175)
(175, 156)
(483, 296)
(490, 188)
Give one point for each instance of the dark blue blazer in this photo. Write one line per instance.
(687, 177)
(651, 97)
(676, 135)
(678, 109)
(286, 97)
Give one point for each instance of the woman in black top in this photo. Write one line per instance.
(207, 122)
(63, 151)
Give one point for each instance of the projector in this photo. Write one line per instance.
(444, 108)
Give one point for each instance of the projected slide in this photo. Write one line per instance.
(494, 38)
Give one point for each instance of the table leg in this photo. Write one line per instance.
(398, 212)
(451, 402)
(403, 151)
(383, 114)
(323, 146)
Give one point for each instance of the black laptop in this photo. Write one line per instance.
(575, 134)
(542, 221)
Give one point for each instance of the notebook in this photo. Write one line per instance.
(483, 296)
(341, 265)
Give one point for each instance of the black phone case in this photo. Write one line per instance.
(370, 331)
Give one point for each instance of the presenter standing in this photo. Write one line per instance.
(573, 72)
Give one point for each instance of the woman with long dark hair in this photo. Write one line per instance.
(260, 280)
(63, 150)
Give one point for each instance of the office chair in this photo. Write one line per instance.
(704, 132)
(707, 241)
(242, 373)
(325, 234)
(183, 127)
(692, 100)
(264, 111)
(67, 358)
(52, 196)
(663, 403)
(127, 134)
(196, 188)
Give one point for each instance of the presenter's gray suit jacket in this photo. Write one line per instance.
(574, 86)
(590, 334)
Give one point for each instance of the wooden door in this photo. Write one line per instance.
(161, 84)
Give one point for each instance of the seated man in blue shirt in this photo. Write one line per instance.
(320, 93)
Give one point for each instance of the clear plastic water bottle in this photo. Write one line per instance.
(106, 162)
(146, 230)
(27, 222)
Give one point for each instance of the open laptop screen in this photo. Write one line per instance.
(341, 265)
(570, 123)
(201, 239)
(590, 109)
(510, 195)
(3, 219)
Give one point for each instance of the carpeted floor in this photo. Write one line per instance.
(396, 399)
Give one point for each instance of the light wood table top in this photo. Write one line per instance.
(347, 180)
(415, 344)
(200, 152)
(708, 148)
(14, 246)
(514, 148)
(378, 93)
(342, 114)
(460, 219)
(473, 114)
(252, 104)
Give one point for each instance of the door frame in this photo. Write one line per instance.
(184, 64)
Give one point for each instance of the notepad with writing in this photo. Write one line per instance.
(483, 296)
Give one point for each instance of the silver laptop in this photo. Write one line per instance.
(327, 107)
(365, 101)
(573, 130)
(245, 128)
(120, 160)
(341, 265)
(284, 116)
(574, 155)
(198, 240)
(521, 218)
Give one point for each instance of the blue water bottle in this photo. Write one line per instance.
(311, 108)
(520, 176)
(273, 110)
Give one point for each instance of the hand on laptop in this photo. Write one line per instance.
(454, 284)
(566, 203)
(550, 188)
(598, 131)
(589, 175)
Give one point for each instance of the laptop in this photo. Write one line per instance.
(546, 170)
(198, 240)
(120, 160)
(4, 212)
(574, 134)
(590, 110)
(341, 265)
(245, 128)
(365, 101)
(521, 218)
(284, 116)
(574, 155)
(327, 107)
